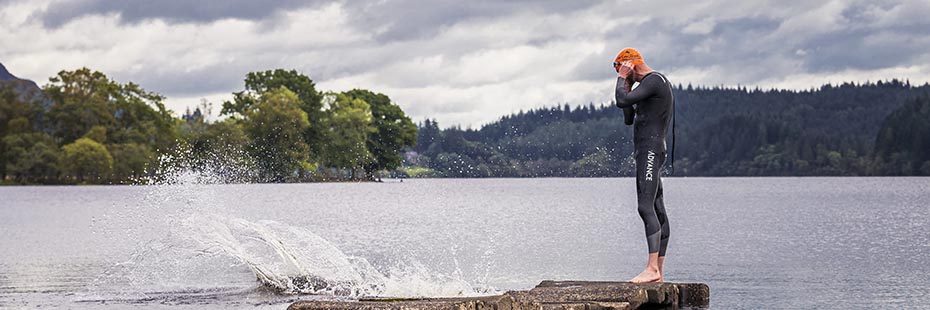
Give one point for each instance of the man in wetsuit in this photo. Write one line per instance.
(651, 103)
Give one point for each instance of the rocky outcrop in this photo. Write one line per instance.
(547, 295)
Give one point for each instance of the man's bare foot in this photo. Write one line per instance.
(648, 276)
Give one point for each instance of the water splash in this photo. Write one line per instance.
(291, 260)
(187, 243)
(286, 258)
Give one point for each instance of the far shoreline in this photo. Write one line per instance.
(402, 180)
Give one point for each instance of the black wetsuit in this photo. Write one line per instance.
(653, 101)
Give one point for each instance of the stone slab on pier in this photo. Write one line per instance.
(582, 295)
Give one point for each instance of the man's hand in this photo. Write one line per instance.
(625, 68)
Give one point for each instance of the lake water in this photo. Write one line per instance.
(773, 243)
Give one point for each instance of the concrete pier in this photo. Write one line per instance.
(553, 295)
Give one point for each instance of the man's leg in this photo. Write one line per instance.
(665, 229)
(647, 186)
(647, 173)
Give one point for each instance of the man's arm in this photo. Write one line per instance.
(627, 98)
(628, 112)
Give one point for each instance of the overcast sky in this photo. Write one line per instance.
(465, 62)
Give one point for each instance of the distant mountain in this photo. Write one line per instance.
(26, 90)
(5, 75)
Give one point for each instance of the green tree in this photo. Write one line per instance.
(392, 131)
(227, 135)
(205, 138)
(31, 157)
(428, 135)
(259, 83)
(348, 125)
(84, 99)
(130, 161)
(275, 125)
(97, 133)
(89, 104)
(86, 160)
(16, 117)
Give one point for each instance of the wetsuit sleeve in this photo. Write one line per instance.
(628, 112)
(645, 89)
(628, 115)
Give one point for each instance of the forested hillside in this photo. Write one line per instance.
(903, 146)
(831, 130)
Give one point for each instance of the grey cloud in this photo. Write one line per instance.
(866, 46)
(131, 11)
(413, 19)
(398, 20)
(595, 67)
(210, 79)
(849, 50)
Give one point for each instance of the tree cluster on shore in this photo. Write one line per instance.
(85, 128)
(880, 128)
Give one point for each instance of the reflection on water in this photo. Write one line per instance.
(759, 242)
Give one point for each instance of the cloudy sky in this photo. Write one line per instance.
(465, 62)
